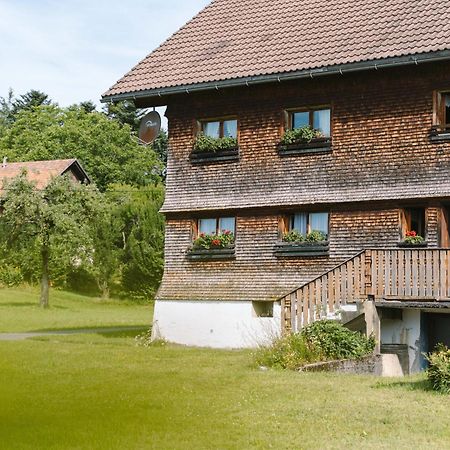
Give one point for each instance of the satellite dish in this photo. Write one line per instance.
(149, 127)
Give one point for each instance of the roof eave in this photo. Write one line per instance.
(158, 94)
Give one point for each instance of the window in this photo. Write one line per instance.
(446, 110)
(220, 128)
(262, 309)
(440, 131)
(305, 222)
(444, 227)
(217, 225)
(442, 109)
(319, 119)
(413, 219)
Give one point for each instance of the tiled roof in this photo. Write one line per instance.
(233, 39)
(39, 172)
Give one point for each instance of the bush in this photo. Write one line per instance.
(321, 341)
(439, 371)
(334, 341)
(10, 276)
(205, 143)
(287, 352)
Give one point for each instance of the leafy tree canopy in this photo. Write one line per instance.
(107, 149)
(53, 224)
(143, 237)
(124, 112)
(29, 100)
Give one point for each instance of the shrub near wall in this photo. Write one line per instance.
(439, 371)
(324, 340)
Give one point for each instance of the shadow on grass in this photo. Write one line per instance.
(410, 384)
(18, 304)
(123, 333)
(106, 330)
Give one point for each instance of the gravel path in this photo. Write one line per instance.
(30, 334)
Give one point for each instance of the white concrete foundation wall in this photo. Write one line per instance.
(406, 331)
(218, 324)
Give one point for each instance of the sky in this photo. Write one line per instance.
(75, 50)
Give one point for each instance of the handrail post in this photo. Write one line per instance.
(285, 315)
(368, 272)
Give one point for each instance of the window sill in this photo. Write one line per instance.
(214, 157)
(215, 254)
(319, 145)
(302, 249)
(407, 245)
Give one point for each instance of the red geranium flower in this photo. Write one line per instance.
(411, 234)
(215, 242)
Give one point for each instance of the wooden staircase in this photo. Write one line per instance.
(375, 274)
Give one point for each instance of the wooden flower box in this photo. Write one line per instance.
(214, 157)
(212, 254)
(317, 145)
(412, 246)
(301, 249)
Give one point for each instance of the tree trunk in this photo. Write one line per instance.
(105, 290)
(45, 279)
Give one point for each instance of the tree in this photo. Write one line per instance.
(108, 151)
(29, 100)
(124, 112)
(143, 234)
(6, 110)
(55, 221)
(160, 145)
(88, 106)
(108, 247)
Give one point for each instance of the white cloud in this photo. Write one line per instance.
(75, 50)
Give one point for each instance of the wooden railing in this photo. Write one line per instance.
(382, 274)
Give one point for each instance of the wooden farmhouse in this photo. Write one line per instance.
(308, 171)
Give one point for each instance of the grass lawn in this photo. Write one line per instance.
(19, 311)
(100, 391)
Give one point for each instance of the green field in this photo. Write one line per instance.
(19, 311)
(100, 391)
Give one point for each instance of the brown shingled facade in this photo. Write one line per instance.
(382, 160)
